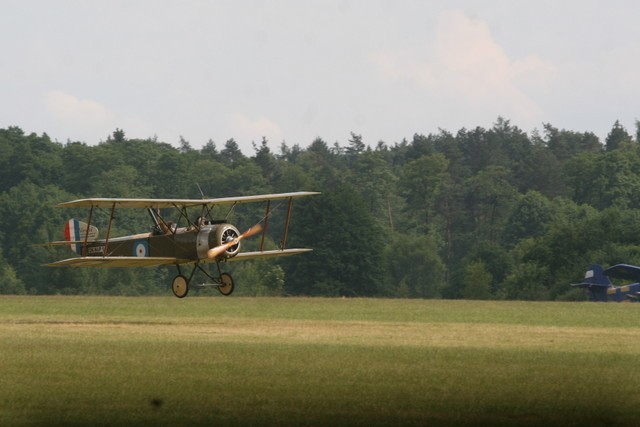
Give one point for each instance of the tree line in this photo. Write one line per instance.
(481, 214)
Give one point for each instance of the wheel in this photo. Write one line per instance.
(180, 286)
(226, 284)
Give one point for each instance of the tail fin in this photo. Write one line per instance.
(75, 232)
(595, 276)
(596, 282)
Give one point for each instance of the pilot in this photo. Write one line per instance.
(167, 227)
(197, 224)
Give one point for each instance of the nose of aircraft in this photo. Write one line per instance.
(230, 241)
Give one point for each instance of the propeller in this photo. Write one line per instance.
(213, 253)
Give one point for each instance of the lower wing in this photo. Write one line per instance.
(134, 261)
(116, 261)
(267, 254)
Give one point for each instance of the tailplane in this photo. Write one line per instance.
(596, 282)
(75, 232)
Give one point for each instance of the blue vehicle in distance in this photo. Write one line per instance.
(597, 282)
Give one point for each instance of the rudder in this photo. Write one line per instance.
(595, 276)
(596, 282)
(76, 233)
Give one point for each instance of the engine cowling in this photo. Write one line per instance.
(224, 233)
(212, 236)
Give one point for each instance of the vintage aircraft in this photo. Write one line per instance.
(597, 282)
(188, 240)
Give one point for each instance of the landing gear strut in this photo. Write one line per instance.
(181, 284)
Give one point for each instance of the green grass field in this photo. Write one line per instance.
(298, 361)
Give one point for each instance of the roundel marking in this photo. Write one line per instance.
(140, 248)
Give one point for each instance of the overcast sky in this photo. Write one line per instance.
(296, 70)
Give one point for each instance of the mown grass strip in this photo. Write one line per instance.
(393, 310)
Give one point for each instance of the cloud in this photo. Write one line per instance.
(465, 62)
(248, 129)
(70, 110)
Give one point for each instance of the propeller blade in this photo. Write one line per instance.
(250, 232)
(219, 250)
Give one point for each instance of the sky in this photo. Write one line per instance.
(293, 71)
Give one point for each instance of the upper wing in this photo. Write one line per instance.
(168, 203)
(624, 271)
(117, 261)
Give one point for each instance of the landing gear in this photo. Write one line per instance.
(180, 286)
(226, 284)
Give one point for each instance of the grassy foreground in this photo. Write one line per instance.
(297, 361)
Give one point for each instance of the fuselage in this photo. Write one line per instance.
(623, 293)
(182, 243)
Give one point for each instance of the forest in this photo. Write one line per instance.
(482, 213)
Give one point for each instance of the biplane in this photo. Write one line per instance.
(189, 241)
(596, 281)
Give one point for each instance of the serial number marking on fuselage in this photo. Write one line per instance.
(95, 250)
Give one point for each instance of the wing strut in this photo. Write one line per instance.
(106, 242)
(183, 213)
(86, 234)
(233, 206)
(283, 244)
(266, 224)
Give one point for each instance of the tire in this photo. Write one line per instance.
(180, 286)
(226, 284)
